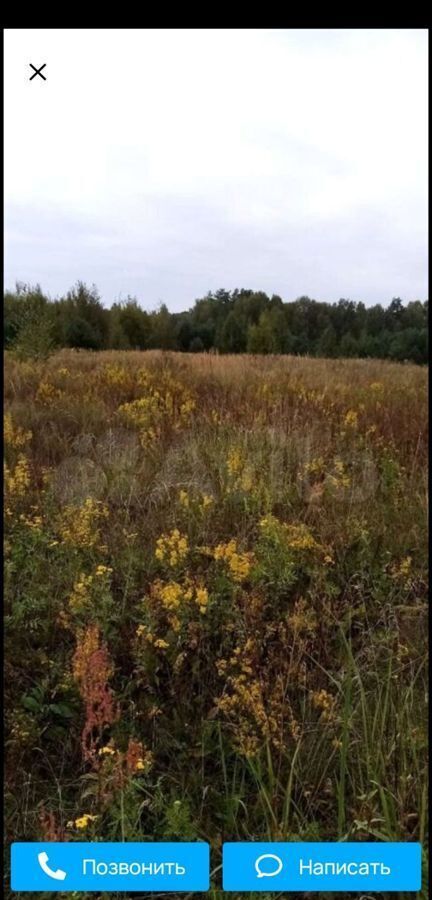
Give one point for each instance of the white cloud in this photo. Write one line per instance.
(168, 163)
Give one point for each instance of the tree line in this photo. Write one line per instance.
(238, 321)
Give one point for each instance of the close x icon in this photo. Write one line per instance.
(37, 71)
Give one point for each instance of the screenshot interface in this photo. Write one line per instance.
(215, 463)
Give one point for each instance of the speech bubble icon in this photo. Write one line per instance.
(260, 859)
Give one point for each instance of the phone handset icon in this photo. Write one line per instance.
(58, 874)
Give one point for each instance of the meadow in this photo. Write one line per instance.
(215, 598)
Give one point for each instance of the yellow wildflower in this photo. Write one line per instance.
(84, 821)
(79, 525)
(160, 644)
(102, 570)
(17, 480)
(172, 548)
(402, 569)
(235, 461)
(239, 564)
(351, 418)
(14, 435)
(207, 501)
(202, 598)
(47, 394)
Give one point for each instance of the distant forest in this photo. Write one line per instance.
(239, 321)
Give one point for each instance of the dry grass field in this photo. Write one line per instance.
(215, 598)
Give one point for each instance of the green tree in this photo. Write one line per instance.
(130, 326)
(410, 344)
(328, 344)
(163, 329)
(83, 305)
(233, 338)
(348, 345)
(81, 335)
(196, 345)
(29, 326)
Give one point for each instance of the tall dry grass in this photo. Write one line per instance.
(215, 598)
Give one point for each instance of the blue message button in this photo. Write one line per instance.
(323, 866)
(164, 866)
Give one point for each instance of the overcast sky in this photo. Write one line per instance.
(164, 164)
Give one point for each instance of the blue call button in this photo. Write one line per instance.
(129, 867)
(359, 866)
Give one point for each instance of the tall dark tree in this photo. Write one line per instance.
(85, 321)
(239, 321)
